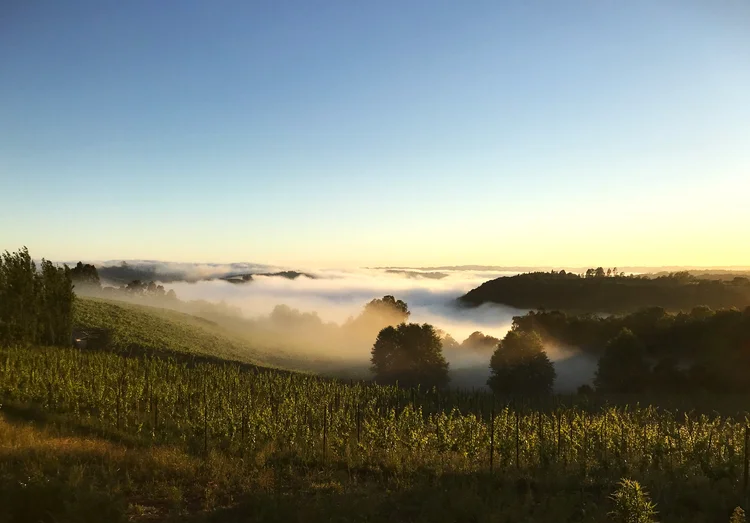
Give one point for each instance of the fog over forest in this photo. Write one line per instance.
(337, 297)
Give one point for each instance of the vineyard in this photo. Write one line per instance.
(207, 406)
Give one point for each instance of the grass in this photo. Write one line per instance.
(156, 329)
(49, 472)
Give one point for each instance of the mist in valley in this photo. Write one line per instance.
(320, 319)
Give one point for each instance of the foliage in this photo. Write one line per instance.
(520, 366)
(622, 367)
(85, 275)
(596, 292)
(478, 341)
(738, 516)
(410, 355)
(35, 304)
(702, 349)
(632, 504)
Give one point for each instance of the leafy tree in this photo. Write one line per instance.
(85, 275)
(448, 341)
(520, 366)
(388, 305)
(480, 342)
(35, 305)
(19, 298)
(622, 367)
(410, 354)
(376, 315)
(56, 304)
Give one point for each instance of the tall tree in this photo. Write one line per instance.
(35, 306)
(520, 366)
(410, 354)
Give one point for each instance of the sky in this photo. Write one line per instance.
(339, 133)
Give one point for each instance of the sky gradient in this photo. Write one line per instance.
(377, 133)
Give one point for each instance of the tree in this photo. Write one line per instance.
(520, 366)
(85, 275)
(480, 342)
(410, 354)
(622, 368)
(448, 341)
(388, 305)
(376, 315)
(599, 272)
(35, 305)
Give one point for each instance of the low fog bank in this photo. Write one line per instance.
(322, 319)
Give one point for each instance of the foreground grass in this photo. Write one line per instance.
(53, 469)
(52, 474)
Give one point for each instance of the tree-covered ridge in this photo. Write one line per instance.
(609, 291)
(698, 350)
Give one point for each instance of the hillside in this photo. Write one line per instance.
(131, 326)
(616, 294)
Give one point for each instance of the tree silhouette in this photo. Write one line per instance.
(622, 367)
(410, 354)
(388, 305)
(35, 305)
(520, 366)
(85, 275)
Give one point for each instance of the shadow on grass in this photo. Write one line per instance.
(42, 419)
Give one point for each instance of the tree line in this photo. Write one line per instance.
(36, 303)
(652, 349)
(609, 291)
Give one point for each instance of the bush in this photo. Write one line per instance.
(632, 504)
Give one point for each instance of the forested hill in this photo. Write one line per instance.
(601, 291)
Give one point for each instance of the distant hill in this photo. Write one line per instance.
(124, 273)
(609, 294)
(127, 327)
(418, 274)
(246, 278)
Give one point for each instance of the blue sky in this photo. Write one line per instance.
(362, 133)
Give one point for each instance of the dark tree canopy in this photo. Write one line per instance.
(623, 367)
(141, 288)
(85, 274)
(520, 366)
(701, 349)
(36, 304)
(410, 354)
(596, 292)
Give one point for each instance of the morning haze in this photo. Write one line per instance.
(387, 261)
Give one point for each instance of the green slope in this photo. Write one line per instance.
(151, 328)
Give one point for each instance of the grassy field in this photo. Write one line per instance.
(157, 329)
(52, 472)
(158, 439)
